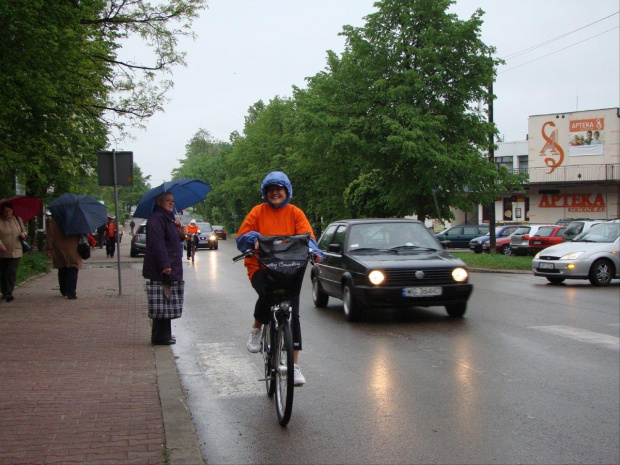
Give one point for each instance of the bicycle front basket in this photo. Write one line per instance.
(285, 258)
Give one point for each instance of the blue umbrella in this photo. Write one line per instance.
(78, 214)
(186, 191)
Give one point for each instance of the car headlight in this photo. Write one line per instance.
(572, 255)
(537, 256)
(459, 275)
(213, 237)
(376, 277)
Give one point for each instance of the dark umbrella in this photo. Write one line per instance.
(186, 191)
(24, 207)
(78, 214)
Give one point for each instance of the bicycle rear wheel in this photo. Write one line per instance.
(267, 358)
(284, 372)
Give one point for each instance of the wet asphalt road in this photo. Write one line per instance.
(530, 375)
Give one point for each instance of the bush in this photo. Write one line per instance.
(32, 264)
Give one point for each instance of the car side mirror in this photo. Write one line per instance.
(335, 248)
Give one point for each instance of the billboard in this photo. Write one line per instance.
(572, 139)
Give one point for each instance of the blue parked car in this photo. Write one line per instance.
(500, 231)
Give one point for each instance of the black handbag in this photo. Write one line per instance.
(26, 247)
(83, 247)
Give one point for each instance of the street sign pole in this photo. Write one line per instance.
(114, 169)
(118, 243)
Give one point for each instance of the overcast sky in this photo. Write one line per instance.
(250, 50)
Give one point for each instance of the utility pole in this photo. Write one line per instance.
(492, 239)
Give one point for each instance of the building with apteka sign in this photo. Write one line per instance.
(573, 163)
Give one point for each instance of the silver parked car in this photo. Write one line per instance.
(592, 255)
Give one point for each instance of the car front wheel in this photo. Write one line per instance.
(319, 296)
(351, 306)
(601, 273)
(456, 310)
(506, 250)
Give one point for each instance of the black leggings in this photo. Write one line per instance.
(262, 308)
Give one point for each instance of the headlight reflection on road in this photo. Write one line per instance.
(381, 379)
(206, 265)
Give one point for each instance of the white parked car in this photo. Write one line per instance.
(593, 254)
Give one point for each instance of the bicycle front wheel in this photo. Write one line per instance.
(284, 372)
(268, 359)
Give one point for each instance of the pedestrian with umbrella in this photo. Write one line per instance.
(11, 232)
(163, 267)
(72, 215)
(163, 259)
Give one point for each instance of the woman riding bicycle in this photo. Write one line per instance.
(276, 217)
(192, 230)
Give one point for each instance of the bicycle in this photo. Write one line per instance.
(285, 258)
(193, 243)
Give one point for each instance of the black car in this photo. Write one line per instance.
(459, 236)
(387, 263)
(138, 242)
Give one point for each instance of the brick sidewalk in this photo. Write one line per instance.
(78, 377)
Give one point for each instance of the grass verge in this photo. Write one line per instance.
(32, 264)
(495, 262)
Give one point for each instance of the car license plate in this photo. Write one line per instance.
(421, 291)
(545, 266)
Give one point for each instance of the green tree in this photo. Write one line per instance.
(406, 90)
(63, 85)
(205, 159)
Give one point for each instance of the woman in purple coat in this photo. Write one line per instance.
(163, 258)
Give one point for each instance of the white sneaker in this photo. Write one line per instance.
(298, 378)
(254, 340)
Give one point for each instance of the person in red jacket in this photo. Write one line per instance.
(277, 216)
(110, 237)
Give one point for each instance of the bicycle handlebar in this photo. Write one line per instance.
(250, 252)
(246, 254)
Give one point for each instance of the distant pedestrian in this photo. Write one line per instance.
(11, 230)
(120, 233)
(163, 262)
(110, 238)
(101, 235)
(132, 224)
(62, 249)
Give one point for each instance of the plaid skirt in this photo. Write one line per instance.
(161, 306)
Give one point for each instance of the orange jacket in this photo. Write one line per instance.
(191, 229)
(268, 221)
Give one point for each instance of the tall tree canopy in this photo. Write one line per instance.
(63, 86)
(404, 96)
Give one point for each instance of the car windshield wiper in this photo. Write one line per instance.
(371, 249)
(411, 247)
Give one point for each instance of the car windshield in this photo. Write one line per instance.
(602, 232)
(545, 231)
(204, 227)
(574, 228)
(400, 237)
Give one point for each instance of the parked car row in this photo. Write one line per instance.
(478, 243)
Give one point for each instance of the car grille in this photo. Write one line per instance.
(408, 277)
(548, 257)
